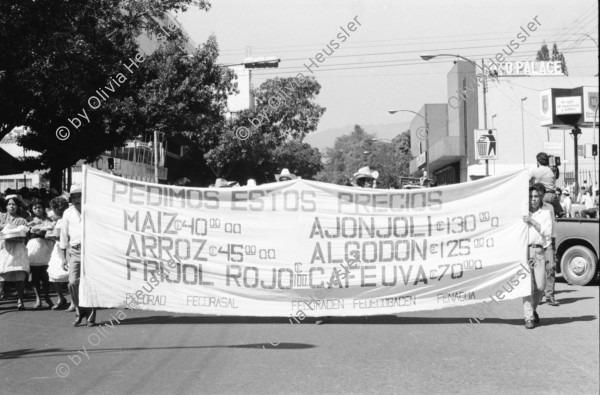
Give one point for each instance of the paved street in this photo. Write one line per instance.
(426, 352)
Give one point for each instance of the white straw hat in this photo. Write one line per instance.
(75, 188)
(223, 183)
(285, 174)
(365, 172)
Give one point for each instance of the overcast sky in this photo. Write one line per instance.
(378, 67)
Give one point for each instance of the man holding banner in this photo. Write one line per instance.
(71, 238)
(540, 231)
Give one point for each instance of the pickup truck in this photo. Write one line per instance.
(577, 249)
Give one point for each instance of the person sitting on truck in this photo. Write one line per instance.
(591, 206)
(544, 174)
(539, 232)
(583, 193)
(586, 200)
(566, 202)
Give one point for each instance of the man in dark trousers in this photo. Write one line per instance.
(71, 238)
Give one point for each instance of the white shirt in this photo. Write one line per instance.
(548, 207)
(587, 200)
(566, 204)
(581, 198)
(542, 237)
(70, 232)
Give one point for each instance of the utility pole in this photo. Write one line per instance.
(523, 128)
(576, 132)
(429, 176)
(156, 157)
(465, 127)
(487, 163)
(595, 178)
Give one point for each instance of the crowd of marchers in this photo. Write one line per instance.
(40, 244)
(41, 236)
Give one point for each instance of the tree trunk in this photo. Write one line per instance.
(56, 179)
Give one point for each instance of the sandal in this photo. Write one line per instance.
(49, 301)
(20, 306)
(77, 321)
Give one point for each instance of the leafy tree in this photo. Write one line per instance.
(544, 55)
(55, 55)
(289, 102)
(300, 158)
(261, 156)
(238, 160)
(558, 56)
(359, 149)
(285, 111)
(179, 94)
(349, 153)
(392, 160)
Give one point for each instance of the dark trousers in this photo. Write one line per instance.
(589, 213)
(550, 271)
(74, 275)
(555, 202)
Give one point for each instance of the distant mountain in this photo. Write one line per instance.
(326, 138)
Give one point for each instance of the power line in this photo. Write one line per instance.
(396, 63)
(580, 40)
(573, 24)
(388, 75)
(421, 50)
(576, 32)
(314, 48)
(402, 39)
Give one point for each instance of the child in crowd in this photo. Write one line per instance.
(39, 250)
(56, 267)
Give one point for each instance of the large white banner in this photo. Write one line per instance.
(302, 247)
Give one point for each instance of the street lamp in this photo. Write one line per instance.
(419, 136)
(523, 128)
(257, 63)
(493, 116)
(429, 57)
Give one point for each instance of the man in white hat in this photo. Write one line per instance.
(251, 183)
(285, 176)
(223, 183)
(70, 238)
(365, 177)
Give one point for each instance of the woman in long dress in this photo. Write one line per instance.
(39, 250)
(14, 264)
(56, 267)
